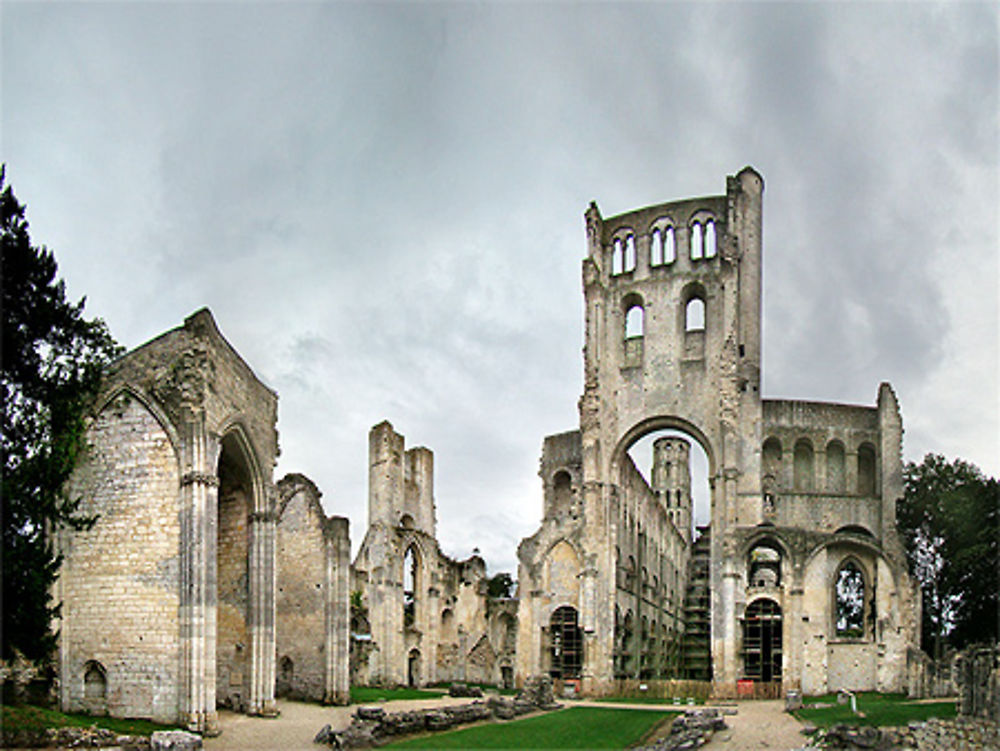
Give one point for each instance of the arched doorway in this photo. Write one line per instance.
(762, 641)
(232, 644)
(565, 643)
(413, 668)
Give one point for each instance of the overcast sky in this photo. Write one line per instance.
(382, 204)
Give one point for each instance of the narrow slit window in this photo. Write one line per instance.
(670, 246)
(656, 248)
(710, 239)
(697, 249)
(630, 253)
(617, 258)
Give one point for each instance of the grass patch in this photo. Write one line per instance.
(578, 727)
(662, 700)
(879, 710)
(29, 717)
(372, 694)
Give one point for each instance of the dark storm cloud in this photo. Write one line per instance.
(382, 204)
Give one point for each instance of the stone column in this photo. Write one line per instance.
(199, 522)
(261, 613)
(338, 613)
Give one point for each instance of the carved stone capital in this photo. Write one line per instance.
(201, 478)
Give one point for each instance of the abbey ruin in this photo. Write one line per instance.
(230, 588)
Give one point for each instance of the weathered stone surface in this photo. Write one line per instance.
(446, 628)
(174, 740)
(692, 729)
(463, 690)
(673, 341)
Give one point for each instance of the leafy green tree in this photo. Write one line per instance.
(52, 364)
(500, 585)
(949, 518)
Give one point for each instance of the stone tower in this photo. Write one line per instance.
(673, 296)
(672, 480)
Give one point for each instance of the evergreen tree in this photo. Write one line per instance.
(51, 370)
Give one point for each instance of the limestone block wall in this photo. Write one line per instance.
(119, 582)
(301, 615)
(313, 611)
(212, 539)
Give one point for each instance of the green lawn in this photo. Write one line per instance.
(578, 727)
(880, 710)
(27, 717)
(370, 695)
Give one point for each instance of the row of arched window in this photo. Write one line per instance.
(835, 471)
(635, 313)
(702, 244)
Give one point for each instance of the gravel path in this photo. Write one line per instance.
(297, 725)
(759, 725)
(756, 725)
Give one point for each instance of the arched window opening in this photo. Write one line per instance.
(629, 253)
(866, 470)
(762, 643)
(562, 492)
(406, 522)
(694, 315)
(633, 322)
(95, 682)
(565, 644)
(803, 466)
(710, 248)
(764, 566)
(286, 674)
(617, 258)
(656, 248)
(835, 480)
(409, 588)
(413, 668)
(849, 599)
(670, 246)
(697, 247)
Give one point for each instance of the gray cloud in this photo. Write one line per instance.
(382, 205)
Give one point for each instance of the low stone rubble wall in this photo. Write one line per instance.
(372, 726)
(692, 729)
(962, 734)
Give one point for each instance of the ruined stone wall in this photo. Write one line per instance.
(439, 630)
(672, 298)
(213, 620)
(313, 561)
(650, 561)
(119, 582)
(301, 611)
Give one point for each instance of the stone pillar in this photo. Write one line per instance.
(338, 612)
(199, 527)
(260, 615)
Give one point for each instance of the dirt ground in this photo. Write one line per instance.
(759, 725)
(756, 725)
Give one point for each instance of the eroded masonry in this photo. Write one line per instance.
(228, 589)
